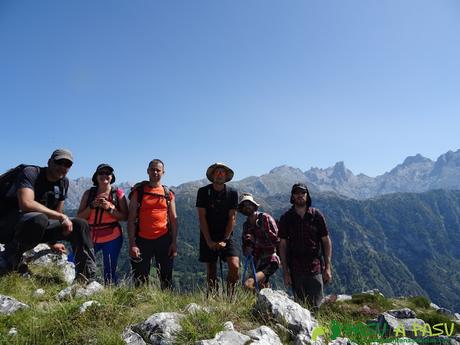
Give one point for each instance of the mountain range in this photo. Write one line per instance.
(415, 174)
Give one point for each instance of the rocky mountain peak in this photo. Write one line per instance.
(341, 173)
(418, 158)
(285, 170)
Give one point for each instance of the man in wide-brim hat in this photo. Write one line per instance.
(217, 204)
(211, 170)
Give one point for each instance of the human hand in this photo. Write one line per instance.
(221, 245)
(211, 244)
(134, 251)
(172, 250)
(327, 275)
(105, 204)
(67, 225)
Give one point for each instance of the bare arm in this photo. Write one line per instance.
(204, 225)
(123, 209)
(173, 220)
(283, 257)
(27, 203)
(327, 245)
(122, 213)
(230, 224)
(84, 210)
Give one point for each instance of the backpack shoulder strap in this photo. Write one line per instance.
(139, 188)
(91, 196)
(115, 200)
(168, 205)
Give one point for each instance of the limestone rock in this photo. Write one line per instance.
(341, 341)
(132, 338)
(195, 308)
(264, 336)
(226, 338)
(278, 306)
(78, 291)
(160, 328)
(10, 305)
(434, 306)
(404, 313)
(88, 304)
(43, 256)
(342, 298)
(392, 323)
(446, 312)
(39, 293)
(373, 292)
(228, 326)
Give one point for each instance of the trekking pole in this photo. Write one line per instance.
(221, 273)
(250, 258)
(255, 273)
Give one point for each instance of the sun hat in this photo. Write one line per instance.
(101, 167)
(247, 197)
(213, 167)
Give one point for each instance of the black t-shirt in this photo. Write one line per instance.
(46, 193)
(217, 205)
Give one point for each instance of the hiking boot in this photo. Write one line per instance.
(22, 268)
(5, 266)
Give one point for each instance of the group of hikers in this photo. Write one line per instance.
(32, 211)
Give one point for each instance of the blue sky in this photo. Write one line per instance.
(252, 83)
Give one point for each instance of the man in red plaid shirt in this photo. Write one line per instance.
(260, 238)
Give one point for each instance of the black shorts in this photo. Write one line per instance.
(208, 255)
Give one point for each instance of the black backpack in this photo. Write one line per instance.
(7, 181)
(139, 187)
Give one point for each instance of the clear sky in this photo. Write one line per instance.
(253, 83)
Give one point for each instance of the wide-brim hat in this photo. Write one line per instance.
(101, 167)
(247, 197)
(213, 167)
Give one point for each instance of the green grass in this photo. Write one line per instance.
(50, 321)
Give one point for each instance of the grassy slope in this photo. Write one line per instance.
(49, 321)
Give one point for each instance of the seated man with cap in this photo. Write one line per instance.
(217, 204)
(34, 213)
(260, 239)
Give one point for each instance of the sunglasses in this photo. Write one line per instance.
(63, 162)
(104, 173)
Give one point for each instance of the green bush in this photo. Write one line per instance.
(419, 301)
